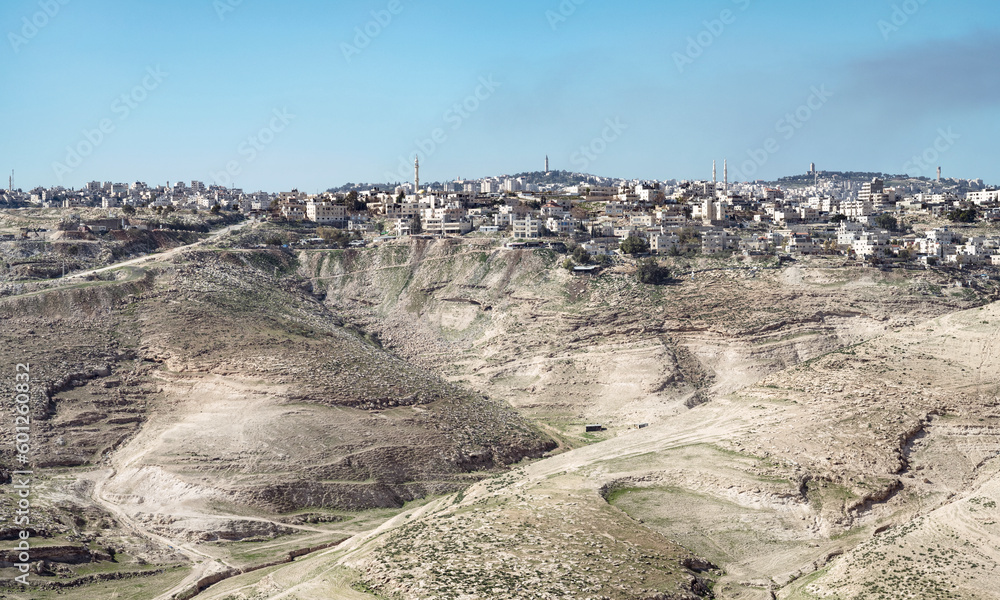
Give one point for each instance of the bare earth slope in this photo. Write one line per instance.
(813, 431)
(609, 350)
(213, 398)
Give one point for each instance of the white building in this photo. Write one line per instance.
(664, 242)
(714, 241)
(527, 228)
(326, 213)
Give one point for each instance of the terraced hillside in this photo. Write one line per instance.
(258, 424)
(208, 398)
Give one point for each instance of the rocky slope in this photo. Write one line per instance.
(568, 350)
(807, 426)
(221, 394)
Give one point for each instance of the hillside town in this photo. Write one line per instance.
(816, 214)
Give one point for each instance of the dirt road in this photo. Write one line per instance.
(159, 256)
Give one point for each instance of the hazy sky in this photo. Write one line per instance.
(314, 94)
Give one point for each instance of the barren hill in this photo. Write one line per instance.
(811, 430)
(209, 397)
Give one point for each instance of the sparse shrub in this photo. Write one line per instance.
(634, 245)
(650, 272)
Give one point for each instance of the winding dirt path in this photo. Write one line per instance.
(160, 256)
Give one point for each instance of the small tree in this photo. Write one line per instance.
(634, 245)
(963, 216)
(128, 209)
(581, 255)
(650, 272)
(604, 260)
(887, 221)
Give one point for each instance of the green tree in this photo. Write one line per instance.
(634, 245)
(581, 255)
(128, 209)
(838, 218)
(604, 260)
(688, 235)
(650, 272)
(354, 202)
(887, 222)
(968, 215)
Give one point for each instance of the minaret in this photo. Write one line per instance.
(714, 172)
(725, 175)
(416, 175)
(546, 163)
(10, 182)
(939, 174)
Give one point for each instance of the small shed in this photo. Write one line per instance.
(586, 270)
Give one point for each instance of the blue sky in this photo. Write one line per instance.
(276, 95)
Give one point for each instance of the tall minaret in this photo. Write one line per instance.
(546, 163)
(715, 179)
(725, 175)
(416, 174)
(939, 174)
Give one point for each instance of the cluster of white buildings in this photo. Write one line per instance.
(180, 195)
(673, 216)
